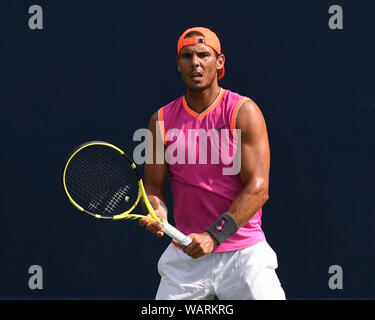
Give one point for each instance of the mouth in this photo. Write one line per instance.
(196, 76)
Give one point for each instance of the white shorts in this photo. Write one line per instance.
(245, 274)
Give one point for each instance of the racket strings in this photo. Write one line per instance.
(101, 194)
(116, 199)
(101, 181)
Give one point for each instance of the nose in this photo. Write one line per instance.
(194, 60)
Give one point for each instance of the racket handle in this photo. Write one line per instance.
(171, 231)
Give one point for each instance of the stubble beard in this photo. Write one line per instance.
(193, 88)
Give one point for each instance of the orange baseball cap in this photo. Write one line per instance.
(208, 37)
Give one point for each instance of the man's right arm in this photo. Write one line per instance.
(155, 175)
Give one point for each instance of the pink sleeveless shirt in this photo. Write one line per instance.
(200, 151)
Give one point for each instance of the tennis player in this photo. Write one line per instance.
(229, 256)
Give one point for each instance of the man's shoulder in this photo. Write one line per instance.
(233, 99)
(239, 97)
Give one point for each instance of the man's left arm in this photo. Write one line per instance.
(254, 173)
(255, 164)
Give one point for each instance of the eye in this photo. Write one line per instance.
(203, 54)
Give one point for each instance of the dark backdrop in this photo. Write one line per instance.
(99, 69)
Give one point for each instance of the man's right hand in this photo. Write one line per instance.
(155, 226)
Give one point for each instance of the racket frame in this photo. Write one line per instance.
(167, 228)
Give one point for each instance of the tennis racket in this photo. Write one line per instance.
(102, 181)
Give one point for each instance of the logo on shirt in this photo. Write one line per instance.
(218, 129)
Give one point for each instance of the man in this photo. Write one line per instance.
(229, 257)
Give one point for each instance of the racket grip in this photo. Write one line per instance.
(171, 231)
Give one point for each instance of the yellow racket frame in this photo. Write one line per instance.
(141, 189)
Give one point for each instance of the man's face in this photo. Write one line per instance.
(199, 65)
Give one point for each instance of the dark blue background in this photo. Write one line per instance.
(98, 70)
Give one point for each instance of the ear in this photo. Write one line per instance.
(220, 61)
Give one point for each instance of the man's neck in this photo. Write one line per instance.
(201, 100)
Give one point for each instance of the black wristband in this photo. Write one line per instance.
(223, 227)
